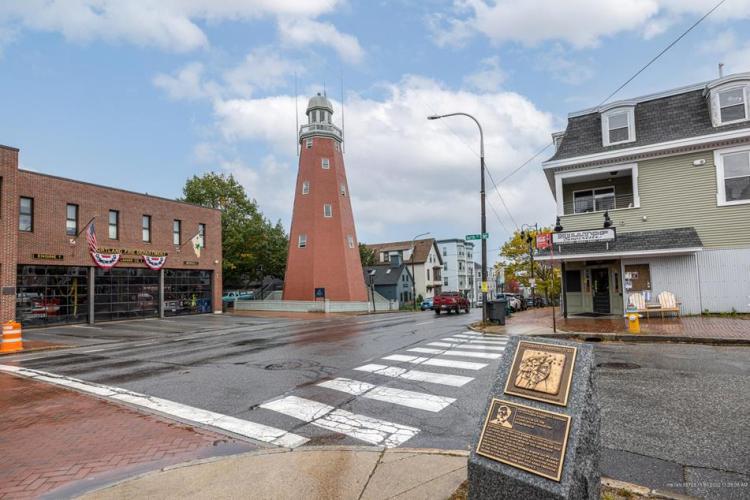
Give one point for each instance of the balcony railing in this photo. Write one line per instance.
(320, 129)
(598, 204)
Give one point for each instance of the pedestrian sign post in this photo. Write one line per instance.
(483, 236)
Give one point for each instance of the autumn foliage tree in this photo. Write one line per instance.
(253, 246)
(517, 262)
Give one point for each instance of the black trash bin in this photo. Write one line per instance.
(496, 310)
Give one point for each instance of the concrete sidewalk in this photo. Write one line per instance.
(307, 472)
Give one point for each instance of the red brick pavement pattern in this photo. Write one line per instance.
(715, 327)
(52, 437)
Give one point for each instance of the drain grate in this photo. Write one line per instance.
(619, 366)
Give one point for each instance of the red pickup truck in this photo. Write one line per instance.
(450, 301)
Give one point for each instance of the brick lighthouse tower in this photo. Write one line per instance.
(323, 248)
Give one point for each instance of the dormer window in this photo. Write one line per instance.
(732, 105)
(618, 126)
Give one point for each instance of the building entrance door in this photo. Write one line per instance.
(600, 282)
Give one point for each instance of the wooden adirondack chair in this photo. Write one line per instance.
(668, 303)
(637, 300)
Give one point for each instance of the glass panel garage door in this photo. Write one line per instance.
(186, 291)
(51, 294)
(126, 293)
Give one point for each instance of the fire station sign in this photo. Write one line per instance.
(588, 236)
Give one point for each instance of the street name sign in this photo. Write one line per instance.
(587, 236)
(540, 435)
(483, 236)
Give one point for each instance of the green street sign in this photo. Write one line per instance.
(483, 236)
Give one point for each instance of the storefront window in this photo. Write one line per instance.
(126, 293)
(186, 292)
(51, 294)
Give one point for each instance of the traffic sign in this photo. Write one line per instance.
(483, 236)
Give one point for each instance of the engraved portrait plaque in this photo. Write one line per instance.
(542, 372)
(526, 438)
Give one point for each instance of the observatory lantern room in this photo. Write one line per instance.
(323, 246)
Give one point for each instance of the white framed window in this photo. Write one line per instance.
(306, 187)
(594, 200)
(618, 126)
(350, 240)
(732, 176)
(327, 210)
(342, 189)
(325, 163)
(733, 105)
(308, 143)
(302, 241)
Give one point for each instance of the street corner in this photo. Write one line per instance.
(61, 443)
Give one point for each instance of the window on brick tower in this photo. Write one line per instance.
(327, 210)
(302, 241)
(306, 187)
(350, 241)
(325, 163)
(308, 143)
(342, 189)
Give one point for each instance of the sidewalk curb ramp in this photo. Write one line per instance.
(356, 472)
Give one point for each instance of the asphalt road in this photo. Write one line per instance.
(673, 416)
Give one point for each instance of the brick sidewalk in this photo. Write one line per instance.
(56, 440)
(711, 327)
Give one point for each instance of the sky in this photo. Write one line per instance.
(143, 94)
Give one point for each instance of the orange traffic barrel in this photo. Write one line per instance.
(11, 340)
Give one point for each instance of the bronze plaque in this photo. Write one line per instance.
(542, 372)
(524, 437)
(48, 256)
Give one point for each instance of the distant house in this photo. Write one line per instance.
(424, 256)
(670, 174)
(393, 280)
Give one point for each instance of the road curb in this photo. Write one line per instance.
(629, 337)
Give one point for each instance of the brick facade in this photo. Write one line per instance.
(51, 196)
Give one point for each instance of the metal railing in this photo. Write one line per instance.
(600, 204)
(313, 128)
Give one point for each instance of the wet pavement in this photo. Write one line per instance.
(670, 412)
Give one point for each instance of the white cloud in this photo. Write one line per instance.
(580, 23)
(303, 32)
(187, 83)
(563, 67)
(167, 24)
(489, 77)
(404, 170)
(263, 68)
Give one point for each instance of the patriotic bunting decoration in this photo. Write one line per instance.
(155, 263)
(105, 261)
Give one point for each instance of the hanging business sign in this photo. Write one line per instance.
(587, 236)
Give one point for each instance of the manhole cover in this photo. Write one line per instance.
(619, 366)
(294, 364)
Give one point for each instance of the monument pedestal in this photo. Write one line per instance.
(539, 437)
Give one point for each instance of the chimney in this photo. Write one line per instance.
(721, 70)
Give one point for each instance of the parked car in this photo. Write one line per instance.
(426, 304)
(230, 297)
(513, 301)
(450, 301)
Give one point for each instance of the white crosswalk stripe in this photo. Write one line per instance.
(464, 346)
(466, 354)
(416, 375)
(444, 363)
(489, 339)
(412, 399)
(482, 342)
(368, 429)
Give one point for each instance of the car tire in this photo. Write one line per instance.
(437, 311)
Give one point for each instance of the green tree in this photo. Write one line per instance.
(253, 247)
(366, 255)
(515, 253)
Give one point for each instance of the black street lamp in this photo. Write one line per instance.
(529, 236)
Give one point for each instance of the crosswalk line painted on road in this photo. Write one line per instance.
(169, 408)
(464, 346)
(488, 339)
(480, 342)
(368, 429)
(412, 399)
(443, 363)
(416, 375)
(466, 354)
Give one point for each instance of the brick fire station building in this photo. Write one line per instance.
(49, 276)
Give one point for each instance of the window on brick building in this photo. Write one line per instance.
(114, 224)
(71, 219)
(350, 240)
(146, 228)
(26, 214)
(309, 143)
(176, 231)
(327, 210)
(302, 241)
(202, 234)
(342, 189)
(306, 187)
(325, 163)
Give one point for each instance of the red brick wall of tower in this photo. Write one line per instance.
(327, 261)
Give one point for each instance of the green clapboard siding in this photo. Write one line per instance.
(675, 193)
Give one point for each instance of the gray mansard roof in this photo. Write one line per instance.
(678, 116)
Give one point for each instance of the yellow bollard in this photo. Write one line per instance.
(11, 340)
(634, 323)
